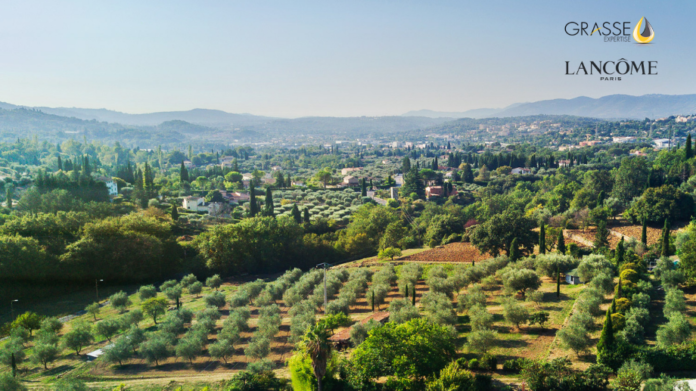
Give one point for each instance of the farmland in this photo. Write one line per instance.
(512, 341)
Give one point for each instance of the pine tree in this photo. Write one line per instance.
(175, 213)
(688, 152)
(542, 238)
(296, 215)
(620, 252)
(600, 199)
(513, 253)
(268, 204)
(665, 239)
(606, 339)
(644, 233)
(560, 246)
(253, 206)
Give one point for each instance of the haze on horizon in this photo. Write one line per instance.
(310, 58)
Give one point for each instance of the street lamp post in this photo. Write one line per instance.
(96, 287)
(325, 266)
(12, 307)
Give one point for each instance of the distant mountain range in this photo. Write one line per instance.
(215, 118)
(607, 107)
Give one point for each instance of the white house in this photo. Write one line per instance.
(350, 181)
(195, 204)
(661, 143)
(520, 170)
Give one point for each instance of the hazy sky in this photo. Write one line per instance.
(329, 58)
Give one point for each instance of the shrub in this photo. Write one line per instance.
(401, 311)
(489, 362)
(360, 331)
(674, 302)
(675, 332)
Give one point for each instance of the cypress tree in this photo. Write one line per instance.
(601, 235)
(373, 301)
(363, 188)
(253, 206)
(305, 215)
(542, 238)
(665, 239)
(600, 199)
(406, 291)
(183, 173)
(268, 204)
(13, 365)
(606, 339)
(406, 164)
(435, 165)
(558, 282)
(619, 293)
(689, 151)
(620, 252)
(296, 214)
(8, 196)
(175, 213)
(513, 254)
(560, 246)
(413, 296)
(644, 233)
(60, 163)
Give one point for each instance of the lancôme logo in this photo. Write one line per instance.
(646, 35)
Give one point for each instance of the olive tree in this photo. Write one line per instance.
(120, 301)
(214, 282)
(147, 291)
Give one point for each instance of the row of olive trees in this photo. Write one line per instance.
(273, 291)
(382, 281)
(349, 293)
(302, 309)
(599, 272)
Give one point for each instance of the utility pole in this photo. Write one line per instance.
(325, 266)
(96, 287)
(12, 307)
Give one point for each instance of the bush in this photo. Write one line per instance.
(675, 332)
(489, 362)
(402, 310)
(473, 363)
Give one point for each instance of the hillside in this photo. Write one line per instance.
(608, 107)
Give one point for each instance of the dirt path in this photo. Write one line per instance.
(578, 238)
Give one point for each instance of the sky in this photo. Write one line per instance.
(327, 58)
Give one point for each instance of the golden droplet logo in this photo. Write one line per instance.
(646, 35)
